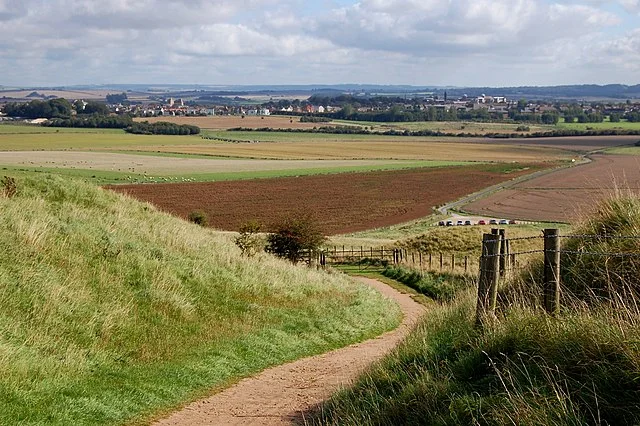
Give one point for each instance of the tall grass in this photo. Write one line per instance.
(442, 287)
(111, 311)
(523, 367)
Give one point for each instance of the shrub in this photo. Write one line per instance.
(293, 237)
(198, 217)
(249, 240)
(9, 187)
(442, 287)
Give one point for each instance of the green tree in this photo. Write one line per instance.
(522, 104)
(347, 111)
(550, 117)
(294, 237)
(249, 240)
(93, 107)
(116, 98)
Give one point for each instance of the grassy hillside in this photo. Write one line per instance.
(112, 311)
(524, 367)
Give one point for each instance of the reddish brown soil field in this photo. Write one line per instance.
(566, 195)
(340, 203)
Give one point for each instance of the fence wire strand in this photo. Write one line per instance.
(603, 254)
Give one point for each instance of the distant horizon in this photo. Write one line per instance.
(305, 85)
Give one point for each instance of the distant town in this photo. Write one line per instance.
(321, 105)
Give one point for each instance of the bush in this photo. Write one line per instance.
(9, 187)
(250, 241)
(441, 287)
(198, 217)
(293, 237)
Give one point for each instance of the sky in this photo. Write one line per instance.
(268, 42)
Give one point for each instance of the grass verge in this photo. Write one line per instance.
(113, 312)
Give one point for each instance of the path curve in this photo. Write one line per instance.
(280, 395)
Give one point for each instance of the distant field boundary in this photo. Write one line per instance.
(352, 130)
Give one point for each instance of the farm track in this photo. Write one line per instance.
(287, 393)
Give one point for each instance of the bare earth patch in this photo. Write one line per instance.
(340, 203)
(566, 195)
(281, 395)
(163, 165)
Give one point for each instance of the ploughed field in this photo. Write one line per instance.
(566, 195)
(340, 203)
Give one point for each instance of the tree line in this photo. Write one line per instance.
(162, 128)
(53, 108)
(354, 130)
(92, 122)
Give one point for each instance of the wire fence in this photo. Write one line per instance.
(375, 257)
(548, 256)
(561, 255)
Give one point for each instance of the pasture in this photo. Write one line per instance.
(108, 167)
(454, 127)
(605, 125)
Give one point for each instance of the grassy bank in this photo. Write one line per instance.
(524, 369)
(523, 366)
(113, 312)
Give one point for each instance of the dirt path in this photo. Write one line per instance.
(281, 395)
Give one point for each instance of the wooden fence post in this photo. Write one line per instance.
(503, 252)
(453, 261)
(440, 261)
(551, 271)
(466, 263)
(489, 274)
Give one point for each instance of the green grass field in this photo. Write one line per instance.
(113, 312)
(454, 127)
(103, 177)
(624, 125)
(65, 140)
(9, 129)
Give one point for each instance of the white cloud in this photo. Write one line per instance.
(631, 5)
(457, 42)
(445, 28)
